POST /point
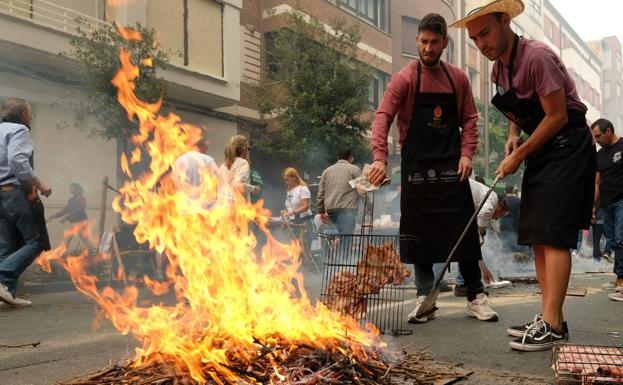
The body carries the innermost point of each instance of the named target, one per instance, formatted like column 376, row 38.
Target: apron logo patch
column 438, row 112
column 437, row 121
column 449, row 176
column 415, row 178
column 432, row 173
column 617, row 157
column 560, row 141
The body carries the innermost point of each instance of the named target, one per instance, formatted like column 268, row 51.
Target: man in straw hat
column 434, row 102
column 537, row 95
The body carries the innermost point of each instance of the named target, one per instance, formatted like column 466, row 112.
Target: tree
column 498, row 134
column 318, row 90
column 98, row 51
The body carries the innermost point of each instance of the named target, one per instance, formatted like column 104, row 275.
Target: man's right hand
column 377, row 172
column 44, row 189
column 324, row 217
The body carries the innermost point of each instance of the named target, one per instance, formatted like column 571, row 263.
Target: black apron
column 559, row 179
column 435, row 206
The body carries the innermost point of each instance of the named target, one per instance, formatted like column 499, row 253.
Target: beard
column 494, row 52
column 430, row 61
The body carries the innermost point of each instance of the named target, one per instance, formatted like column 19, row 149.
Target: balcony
column 48, row 14
column 33, row 33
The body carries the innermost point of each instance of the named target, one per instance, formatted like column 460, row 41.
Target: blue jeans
column 613, row 228
column 425, row 275
column 344, row 220
column 597, row 231
column 16, row 219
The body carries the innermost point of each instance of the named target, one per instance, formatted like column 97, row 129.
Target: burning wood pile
column 380, row 266
column 300, row 365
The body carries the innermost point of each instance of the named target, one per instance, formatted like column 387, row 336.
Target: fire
column 231, row 302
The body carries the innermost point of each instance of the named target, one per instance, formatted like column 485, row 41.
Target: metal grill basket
column 587, row 364
column 364, row 278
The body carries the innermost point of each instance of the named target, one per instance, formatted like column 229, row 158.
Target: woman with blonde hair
column 297, row 206
column 297, row 198
column 236, row 170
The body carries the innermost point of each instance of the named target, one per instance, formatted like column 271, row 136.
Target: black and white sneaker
column 519, row 331
column 539, row 336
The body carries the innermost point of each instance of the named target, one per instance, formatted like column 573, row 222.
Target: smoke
column 504, row 263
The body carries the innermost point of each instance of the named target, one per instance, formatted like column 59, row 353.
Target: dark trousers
column 597, row 231
column 16, row 224
column 425, row 277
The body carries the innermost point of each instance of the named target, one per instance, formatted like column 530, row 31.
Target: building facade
column 609, row 51
column 582, row 63
column 203, row 76
column 388, row 39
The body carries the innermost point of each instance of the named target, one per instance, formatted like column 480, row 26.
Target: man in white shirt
column 494, row 208
column 190, row 169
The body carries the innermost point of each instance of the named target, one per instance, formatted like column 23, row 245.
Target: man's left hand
column 465, row 168
column 509, row 166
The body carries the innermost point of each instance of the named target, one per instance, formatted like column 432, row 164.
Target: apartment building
column 389, row 30
column 609, row 51
column 582, row 63
column 204, row 75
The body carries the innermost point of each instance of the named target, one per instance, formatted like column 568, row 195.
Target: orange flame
column 129, row 33
column 228, row 298
column 147, row 62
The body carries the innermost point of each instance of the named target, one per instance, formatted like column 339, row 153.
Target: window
column 474, row 80
column 450, row 51
column 608, row 58
column 374, row 11
column 548, row 28
column 409, row 35
column 378, row 85
column 534, row 8
column 517, row 28
column 271, row 65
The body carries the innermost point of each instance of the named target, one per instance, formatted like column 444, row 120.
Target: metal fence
column 50, row 15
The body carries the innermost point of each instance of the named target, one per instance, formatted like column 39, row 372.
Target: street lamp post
column 486, row 125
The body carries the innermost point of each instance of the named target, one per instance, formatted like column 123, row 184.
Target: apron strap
column 511, row 65
column 419, row 76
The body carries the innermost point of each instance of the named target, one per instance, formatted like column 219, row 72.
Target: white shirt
column 189, row 168
column 479, row 191
column 294, row 200
column 238, row 175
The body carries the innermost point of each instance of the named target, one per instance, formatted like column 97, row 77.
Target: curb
column 61, row 286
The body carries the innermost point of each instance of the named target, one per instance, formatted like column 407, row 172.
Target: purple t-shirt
column 538, row 72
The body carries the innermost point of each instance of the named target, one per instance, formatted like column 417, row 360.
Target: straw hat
column 477, row 8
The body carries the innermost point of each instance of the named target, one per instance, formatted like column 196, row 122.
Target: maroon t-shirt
column 538, row 71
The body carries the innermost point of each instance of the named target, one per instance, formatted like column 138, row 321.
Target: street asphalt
column 62, row 321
